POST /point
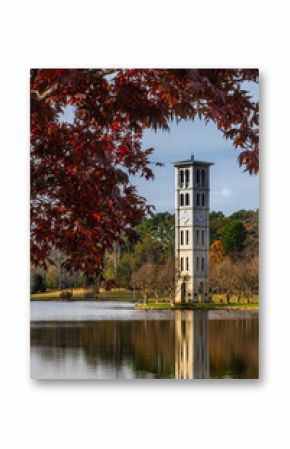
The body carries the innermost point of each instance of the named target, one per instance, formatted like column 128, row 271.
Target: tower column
column 192, row 240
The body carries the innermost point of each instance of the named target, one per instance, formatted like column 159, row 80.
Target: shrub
column 37, row 283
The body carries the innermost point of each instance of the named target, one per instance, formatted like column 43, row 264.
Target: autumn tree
column 145, row 280
column 82, row 200
column 223, row 278
column 156, row 280
column 217, row 253
column 247, row 277
column 236, row 277
column 166, row 279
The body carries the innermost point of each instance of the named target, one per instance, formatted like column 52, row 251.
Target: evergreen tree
column 234, row 236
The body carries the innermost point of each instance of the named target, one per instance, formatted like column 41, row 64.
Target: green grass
column 56, row 294
column 198, row 306
column 218, row 301
column 81, row 294
column 121, row 295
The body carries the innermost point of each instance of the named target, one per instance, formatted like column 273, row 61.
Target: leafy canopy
column 82, row 200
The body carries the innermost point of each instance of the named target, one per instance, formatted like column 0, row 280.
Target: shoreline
column 238, row 307
column 154, row 306
column 123, row 295
column 81, row 299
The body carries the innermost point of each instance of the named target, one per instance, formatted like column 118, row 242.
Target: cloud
column 224, row 192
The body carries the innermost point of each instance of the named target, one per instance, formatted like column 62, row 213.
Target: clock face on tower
column 200, row 219
column 184, row 217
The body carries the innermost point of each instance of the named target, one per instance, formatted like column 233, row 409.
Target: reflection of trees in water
column 147, row 345
column 190, row 346
column 201, row 345
column 220, row 348
column 234, row 348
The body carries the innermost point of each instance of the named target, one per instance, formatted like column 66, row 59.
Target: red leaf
column 116, row 126
column 123, row 150
column 97, row 217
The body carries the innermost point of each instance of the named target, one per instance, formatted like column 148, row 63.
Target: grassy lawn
column 218, row 302
column 56, row 294
column 190, row 306
column 82, row 294
column 120, row 295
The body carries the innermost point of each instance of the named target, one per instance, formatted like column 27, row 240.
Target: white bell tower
column 192, row 240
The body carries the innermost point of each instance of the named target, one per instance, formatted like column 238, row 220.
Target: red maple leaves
column 81, row 197
column 123, row 150
column 116, row 125
column 97, row 217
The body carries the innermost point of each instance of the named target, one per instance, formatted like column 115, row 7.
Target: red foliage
column 97, row 217
column 81, row 197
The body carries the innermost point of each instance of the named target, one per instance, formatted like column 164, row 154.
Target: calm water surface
column 109, row 340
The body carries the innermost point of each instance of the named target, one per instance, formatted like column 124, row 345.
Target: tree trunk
column 228, row 297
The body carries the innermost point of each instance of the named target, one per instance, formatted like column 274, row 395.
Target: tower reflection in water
column 191, row 345
column 180, row 344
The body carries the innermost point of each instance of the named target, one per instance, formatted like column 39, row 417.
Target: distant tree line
column 149, row 264
column 234, row 256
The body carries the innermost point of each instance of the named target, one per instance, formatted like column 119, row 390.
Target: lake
column 111, row 340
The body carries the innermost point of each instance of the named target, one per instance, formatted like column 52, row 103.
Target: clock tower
column 192, row 240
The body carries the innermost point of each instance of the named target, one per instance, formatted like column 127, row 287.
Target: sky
column 232, row 189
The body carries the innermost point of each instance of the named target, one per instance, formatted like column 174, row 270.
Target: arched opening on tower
column 183, row 291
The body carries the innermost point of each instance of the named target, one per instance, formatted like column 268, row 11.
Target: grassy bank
column 219, row 301
column 195, row 306
column 82, row 294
